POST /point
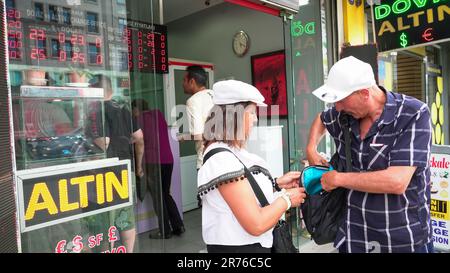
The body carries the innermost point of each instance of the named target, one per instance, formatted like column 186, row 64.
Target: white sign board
column 440, row 179
column 267, row 142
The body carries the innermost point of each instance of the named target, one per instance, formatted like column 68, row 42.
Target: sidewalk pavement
column 311, row 247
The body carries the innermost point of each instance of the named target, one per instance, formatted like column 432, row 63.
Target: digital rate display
column 44, row 41
column 142, row 47
column 147, row 47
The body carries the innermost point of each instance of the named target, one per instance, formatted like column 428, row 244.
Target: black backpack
column 324, row 213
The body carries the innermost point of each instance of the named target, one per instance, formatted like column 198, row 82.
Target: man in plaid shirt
column 388, row 200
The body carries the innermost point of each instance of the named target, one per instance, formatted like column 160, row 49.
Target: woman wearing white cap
column 232, row 219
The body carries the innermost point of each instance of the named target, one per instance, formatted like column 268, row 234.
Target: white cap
column 232, row 91
column 345, row 77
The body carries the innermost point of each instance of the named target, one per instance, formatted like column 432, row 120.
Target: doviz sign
column 405, row 23
column 51, row 197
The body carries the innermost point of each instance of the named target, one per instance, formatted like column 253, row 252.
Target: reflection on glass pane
column 67, row 16
column 56, row 53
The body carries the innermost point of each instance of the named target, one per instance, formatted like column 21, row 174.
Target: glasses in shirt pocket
column 378, row 156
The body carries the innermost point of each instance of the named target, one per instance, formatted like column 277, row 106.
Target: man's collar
column 390, row 107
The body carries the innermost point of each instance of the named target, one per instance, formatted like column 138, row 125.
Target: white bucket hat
column 232, row 91
column 345, row 77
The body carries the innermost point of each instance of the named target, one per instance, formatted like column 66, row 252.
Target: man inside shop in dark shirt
column 120, row 133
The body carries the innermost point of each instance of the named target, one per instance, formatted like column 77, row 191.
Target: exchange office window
column 53, row 13
column 92, row 21
column 39, row 11
column 56, row 48
column 67, row 16
column 77, row 194
column 10, row 4
column 95, row 57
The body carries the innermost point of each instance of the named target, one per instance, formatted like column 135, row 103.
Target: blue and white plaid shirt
column 400, row 137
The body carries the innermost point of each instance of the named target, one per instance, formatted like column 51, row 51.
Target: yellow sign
column 48, row 198
column 439, row 209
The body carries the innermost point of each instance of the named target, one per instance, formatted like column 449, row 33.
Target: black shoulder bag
column 282, row 238
column 324, row 213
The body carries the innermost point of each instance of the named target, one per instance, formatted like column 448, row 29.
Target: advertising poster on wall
column 269, row 76
column 440, row 179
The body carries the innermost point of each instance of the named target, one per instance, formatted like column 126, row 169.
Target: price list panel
column 42, row 43
column 147, row 47
column 15, row 34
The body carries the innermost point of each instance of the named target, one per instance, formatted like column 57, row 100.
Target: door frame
column 169, row 81
column 187, row 163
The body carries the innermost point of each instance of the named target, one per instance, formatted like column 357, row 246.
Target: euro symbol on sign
column 403, row 40
column 427, row 35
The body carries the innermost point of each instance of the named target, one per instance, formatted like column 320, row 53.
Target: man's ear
column 192, row 82
column 364, row 93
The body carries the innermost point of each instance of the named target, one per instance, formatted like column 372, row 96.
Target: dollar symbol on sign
column 403, row 40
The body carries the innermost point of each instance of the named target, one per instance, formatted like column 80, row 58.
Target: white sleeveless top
column 219, row 225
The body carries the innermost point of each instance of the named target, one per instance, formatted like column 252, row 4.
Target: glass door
column 71, row 69
column 175, row 107
column 306, row 59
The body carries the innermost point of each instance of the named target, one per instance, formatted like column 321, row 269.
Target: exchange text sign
column 404, row 23
column 50, row 196
column 440, row 178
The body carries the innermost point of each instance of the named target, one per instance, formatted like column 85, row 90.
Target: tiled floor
column 189, row 242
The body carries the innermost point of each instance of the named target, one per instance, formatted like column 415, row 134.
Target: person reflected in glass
column 158, row 160
column 117, row 136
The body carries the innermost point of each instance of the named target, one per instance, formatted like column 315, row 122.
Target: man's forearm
column 393, row 180
column 139, row 150
column 316, row 134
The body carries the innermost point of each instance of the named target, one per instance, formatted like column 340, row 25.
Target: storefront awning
column 273, row 7
column 291, row 6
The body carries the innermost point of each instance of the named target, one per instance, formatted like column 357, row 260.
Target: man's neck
column 199, row 90
column 377, row 105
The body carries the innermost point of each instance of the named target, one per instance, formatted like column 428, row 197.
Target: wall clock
column 241, row 43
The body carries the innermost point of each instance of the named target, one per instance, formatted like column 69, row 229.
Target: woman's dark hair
column 140, row 104
column 197, row 73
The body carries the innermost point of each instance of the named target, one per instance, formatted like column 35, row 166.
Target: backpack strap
column 256, row 188
column 345, row 128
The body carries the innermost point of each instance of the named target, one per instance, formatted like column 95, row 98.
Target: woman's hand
column 297, row 196
column 289, row 180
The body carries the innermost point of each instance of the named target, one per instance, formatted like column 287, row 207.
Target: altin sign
column 50, row 196
column 405, row 23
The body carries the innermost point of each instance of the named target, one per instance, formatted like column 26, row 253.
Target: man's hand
column 289, row 180
column 329, row 180
column 314, row 158
column 139, row 171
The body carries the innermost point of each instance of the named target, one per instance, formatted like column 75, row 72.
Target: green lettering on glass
column 421, row 3
column 403, row 40
column 382, row 11
column 310, row 28
column 399, row 7
column 406, row 6
column 297, row 28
